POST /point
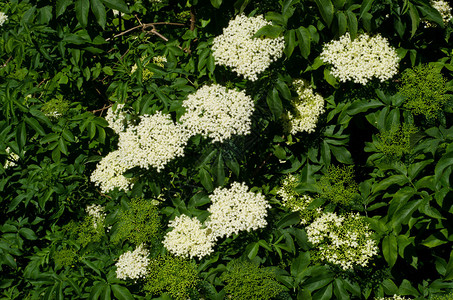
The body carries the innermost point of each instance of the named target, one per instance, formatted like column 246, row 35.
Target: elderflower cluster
column 306, row 109
column 236, row 209
column 116, row 118
column 218, row 113
column 362, row 59
column 108, row 174
column 154, row 142
column 296, row 202
column 444, row 9
column 188, row 238
column 159, row 60
column 133, row 264
column 246, row 55
column 12, row 159
column 342, row 240
column 3, row 18
column 97, row 212
column 394, row 297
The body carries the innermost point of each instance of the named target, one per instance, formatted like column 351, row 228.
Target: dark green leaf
column 98, row 10
column 365, row 7
column 206, row 180
column 352, row 24
column 300, row 263
column 290, row 42
column 431, row 14
column 61, row 6
column 326, row 9
column 28, row 234
column 271, row 31
column 35, row 125
column 389, row 249
column 415, row 19
column 121, row 292
column 82, row 8
column 216, row 3
column 117, row 4
column 304, row 40
column 274, row 103
column 342, row 23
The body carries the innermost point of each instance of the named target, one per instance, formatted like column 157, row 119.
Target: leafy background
column 75, row 58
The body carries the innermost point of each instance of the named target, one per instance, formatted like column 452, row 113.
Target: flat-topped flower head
column 246, row 55
column 218, row 113
column 188, row 238
column 307, row 108
column 133, row 264
column 362, row 59
column 342, row 240
column 108, row 174
column 154, row 142
column 236, row 209
column 3, row 18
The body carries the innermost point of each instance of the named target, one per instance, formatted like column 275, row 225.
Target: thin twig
column 102, row 109
column 192, row 19
column 7, row 61
column 144, row 27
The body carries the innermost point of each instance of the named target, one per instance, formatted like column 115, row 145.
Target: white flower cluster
column 306, row 109
column 218, row 113
column 109, row 173
column 232, row 210
column 12, row 159
column 188, row 238
column 236, row 209
column 116, row 118
column 361, row 59
column 159, row 60
column 247, row 56
column 394, row 297
column 97, row 212
column 342, row 240
column 3, row 18
column 444, row 9
column 154, row 142
column 133, row 264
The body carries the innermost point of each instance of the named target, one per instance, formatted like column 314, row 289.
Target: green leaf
column 432, row 242
column 342, row 23
column 121, row 292
column 326, row 9
column 28, row 234
column 341, row 154
column 274, row 103
column 220, row 171
column 324, row 293
column 389, row 249
column 403, row 213
column 365, row 7
column 352, row 24
column 449, row 268
column 206, row 180
column 431, row 14
column 98, row 10
column 387, row 182
column 21, row 136
column 82, row 8
column 339, row 289
column 119, row 5
column 216, row 3
column 304, row 40
column 445, row 162
column 300, row 263
column 271, row 31
column 35, row 125
column 290, row 42
column 63, row 147
column 61, row 5
column 415, row 19
column 390, row 288
column 362, row 106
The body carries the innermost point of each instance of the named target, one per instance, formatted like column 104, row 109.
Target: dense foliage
column 169, row 149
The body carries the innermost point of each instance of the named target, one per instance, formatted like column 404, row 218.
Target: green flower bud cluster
column 296, row 202
column 140, row 223
column 397, row 141
column 338, row 185
column 173, row 275
column 425, row 89
column 64, row 257
column 246, row 281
